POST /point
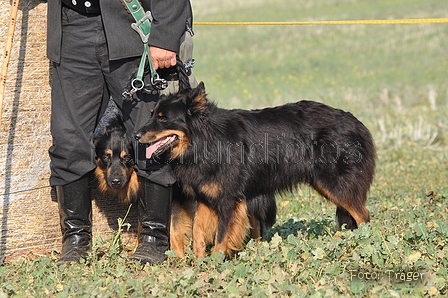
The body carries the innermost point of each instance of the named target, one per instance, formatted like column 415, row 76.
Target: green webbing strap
column 143, row 27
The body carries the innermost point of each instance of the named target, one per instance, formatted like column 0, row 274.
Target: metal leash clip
column 158, row 82
column 136, row 85
column 190, row 64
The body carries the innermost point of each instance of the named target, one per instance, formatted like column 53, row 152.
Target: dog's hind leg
column 205, row 227
column 238, row 225
column 256, row 227
column 350, row 205
column 262, row 211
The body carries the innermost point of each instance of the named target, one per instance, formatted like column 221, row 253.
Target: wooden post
column 7, row 53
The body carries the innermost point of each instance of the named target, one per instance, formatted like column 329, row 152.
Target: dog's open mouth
column 160, row 145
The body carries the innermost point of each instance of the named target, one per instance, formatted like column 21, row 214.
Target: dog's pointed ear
column 197, row 100
column 102, row 130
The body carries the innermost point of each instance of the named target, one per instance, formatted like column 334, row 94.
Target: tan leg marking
column 233, row 239
column 205, row 227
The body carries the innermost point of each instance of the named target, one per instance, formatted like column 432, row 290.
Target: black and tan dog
column 117, row 177
column 115, row 163
column 226, row 158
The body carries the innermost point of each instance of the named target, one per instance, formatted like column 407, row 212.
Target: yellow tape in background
column 342, row 22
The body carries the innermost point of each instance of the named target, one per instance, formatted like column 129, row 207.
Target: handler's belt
column 89, row 7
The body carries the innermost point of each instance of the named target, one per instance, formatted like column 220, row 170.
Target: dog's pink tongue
column 151, row 149
column 154, row 147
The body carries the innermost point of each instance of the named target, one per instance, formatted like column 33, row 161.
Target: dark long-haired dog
column 116, row 177
column 115, row 162
column 226, row 158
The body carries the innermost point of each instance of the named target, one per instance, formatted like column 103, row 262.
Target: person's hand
column 162, row 58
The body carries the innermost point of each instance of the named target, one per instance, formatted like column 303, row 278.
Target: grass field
column 392, row 77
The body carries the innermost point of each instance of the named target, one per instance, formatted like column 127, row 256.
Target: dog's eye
column 106, row 157
column 127, row 159
column 162, row 119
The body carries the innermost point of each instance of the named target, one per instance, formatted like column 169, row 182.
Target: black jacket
column 169, row 24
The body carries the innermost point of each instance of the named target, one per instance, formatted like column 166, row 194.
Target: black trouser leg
column 75, row 212
column 154, row 214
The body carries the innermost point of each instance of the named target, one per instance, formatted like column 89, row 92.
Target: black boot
column 75, row 212
column 154, row 214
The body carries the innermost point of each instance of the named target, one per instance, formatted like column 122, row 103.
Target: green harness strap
column 143, row 27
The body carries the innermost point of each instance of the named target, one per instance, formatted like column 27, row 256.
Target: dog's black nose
column 138, row 136
column 116, row 182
